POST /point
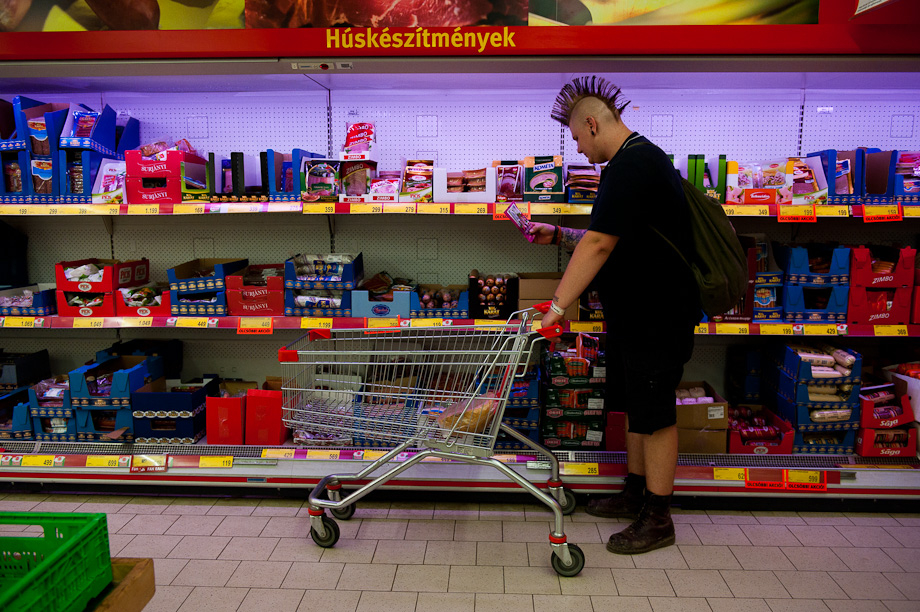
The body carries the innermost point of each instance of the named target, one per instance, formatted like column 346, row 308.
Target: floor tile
column 168, row 598
column 295, row 549
column 422, row 578
column 825, row 518
column 709, row 557
column 867, row 559
column 148, row 525
column 682, row 604
column 446, row 602
column 769, row 535
column 531, row 531
column 286, row 527
column 797, row 605
column 198, row 572
column 260, row 574
column 738, row 605
column 663, row 558
column 698, row 583
column 721, row 535
column 351, row 551
column 199, row 547
column 761, row 558
column 326, row 601
column 411, row 510
column 402, row 552
column 537, row 513
column 313, row 575
column 242, row 526
column 273, row 600
column 193, row 525
column 817, row 535
column 214, row 600
column 855, row 605
column 532, row 580
column 866, row 585
column 685, row 535
column 387, row 602
column 189, row 506
column 146, row 505
column 502, row 553
column 17, row 505
column 596, row 555
column 278, row 507
column 754, row 584
column 868, row 536
column 690, row 516
column 901, row 606
column 165, row 570
column 560, row 603
column 908, row 520
column 500, row 512
column 778, row 517
column 150, row 546
column 810, row 585
column 430, row 530
column 250, row 549
column 451, row 553
column 731, row 517
column 382, row 529
column 367, row 577
column 505, row 603
column 116, row 521
column 642, row 582
column 60, row 505
column 97, row 506
column 234, row 506
column 908, row 537
column 604, row 603
column 907, row 583
column 814, row 558
column 476, row 579
column 875, row 521
column 905, row 557
column 461, row 511
column 476, row 531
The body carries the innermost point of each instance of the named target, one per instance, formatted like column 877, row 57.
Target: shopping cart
column 441, row 390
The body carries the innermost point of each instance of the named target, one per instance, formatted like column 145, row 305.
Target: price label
column 401, row 208
column 148, row 463
column 19, row 322
column 733, row 328
column 89, row 323
column 819, row 330
column 488, row 323
column 911, row 211
column 746, row 210
column 554, row 209
column 775, row 329
column 105, row 461
column 215, row 462
column 189, row 209
column 591, row 327
column 255, row 325
column 137, row 322
column 278, row 453
column 426, row 323
column 736, row 474
column 195, row 322
column 373, row 455
column 796, row 213
column 111, row 209
column 892, row 330
column 579, row 469
column 275, row 207
column 833, row 210
column 433, row 209
column 880, row 213
column 326, row 455
column 316, row 323
column 143, row 209
column 378, row 323
column 702, row 329
column 321, row 208
column 37, row 461
column 366, row 209
column 471, row 209
column 505, row 458
column 805, row 476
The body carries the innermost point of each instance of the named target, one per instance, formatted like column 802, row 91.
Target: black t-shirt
column 648, row 293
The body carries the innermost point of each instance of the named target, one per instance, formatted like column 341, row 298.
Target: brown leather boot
column 652, row 530
column 626, row 503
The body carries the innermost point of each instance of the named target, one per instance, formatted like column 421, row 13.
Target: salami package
column 359, row 138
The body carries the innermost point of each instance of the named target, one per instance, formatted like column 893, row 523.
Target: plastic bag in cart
column 470, row 416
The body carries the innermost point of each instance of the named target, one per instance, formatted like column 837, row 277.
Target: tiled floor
column 216, row 554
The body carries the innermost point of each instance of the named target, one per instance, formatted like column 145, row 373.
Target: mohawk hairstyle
column 587, row 87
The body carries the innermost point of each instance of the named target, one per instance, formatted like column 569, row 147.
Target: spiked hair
column 587, row 87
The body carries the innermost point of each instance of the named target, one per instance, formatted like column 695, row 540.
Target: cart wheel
column 578, row 562
column 568, row 502
column 344, row 513
column 332, row 534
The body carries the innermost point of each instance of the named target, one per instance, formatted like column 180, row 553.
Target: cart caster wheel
column 344, row 513
column 332, row 534
column 568, row 502
column 578, row 562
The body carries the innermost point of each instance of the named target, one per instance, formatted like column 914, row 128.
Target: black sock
column 635, row 483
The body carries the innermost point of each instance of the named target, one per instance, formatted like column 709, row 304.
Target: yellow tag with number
column 733, row 328
column 377, row 323
column 702, row 329
column 19, row 322
column 316, row 323
column 188, row 209
column 488, row 323
column 552, row 209
column 590, row 327
column 728, row 474
column 433, row 209
column 366, row 209
column 745, row 210
column 403, row 208
column 833, row 210
column 809, row 476
column 143, row 209
column 892, row 330
column 89, row 323
column 192, row 322
column 215, row 462
column 137, row 322
column 911, row 211
column 37, row 461
column 775, row 329
column 327, row 455
column 104, row 461
column 148, row 460
column 819, row 330
column 278, row 453
column 471, row 209
column 579, row 469
column 255, row 322
column 374, row 455
column 426, row 322
column 323, row 208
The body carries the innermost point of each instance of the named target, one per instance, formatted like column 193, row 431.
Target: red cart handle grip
column 542, row 307
column 551, row 332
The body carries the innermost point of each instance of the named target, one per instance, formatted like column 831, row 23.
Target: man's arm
column 569, row 238
column 544, row 233
column 592, row 251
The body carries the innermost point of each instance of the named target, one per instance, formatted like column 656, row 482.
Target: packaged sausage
column 38, row 136
column 357, row 176
column 83, row 123
column 322, row 180
column 41, row 176
column 12, row 176
column 359, row 137
column 509, row 178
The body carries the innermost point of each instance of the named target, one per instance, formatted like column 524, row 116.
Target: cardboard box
column 362, row 306
column 442, row 195
column 538, row 285
column 573, row 434
column 292, row 310
column 264, row 426
column 183, row 305
column 799, row 414
column 336, row 276
column 736, row 192
column 861, row 273
column 796, row 391
column 169, row 164
column 106, row 309
column 43, row 302
column 824, row 443
column 44, row 427
column 702, row 441
column 226, row 416
column 841, row 169
column 163, row 415
column 64, row 410
column 183, row 279
column 795, row 261
column 236, row 281
column 790, row 362
column 798, row 304
column 267, row 303
column 164, row 309
column 115, row 274
column 128, row 374
column 116, row 425
column 23, row 369
column 737, row 446
column 703, row 416
column 876, row 443
column 868, row 419
column 15, row 421
column 169, row 350
column 462, row 311
column 493, row 310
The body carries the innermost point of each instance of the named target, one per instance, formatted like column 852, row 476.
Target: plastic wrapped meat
column 86, row 273
column 17, row 300
column 141, row 296
column 317, row 299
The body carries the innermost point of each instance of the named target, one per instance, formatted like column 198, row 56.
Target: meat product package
column 322, row 180
column 509, row 175
column 383, row 13
column 359, row 138
column 357, row 177
column 41, row 176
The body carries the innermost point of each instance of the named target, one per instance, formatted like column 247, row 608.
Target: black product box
column 493, row 309
column 23, row 369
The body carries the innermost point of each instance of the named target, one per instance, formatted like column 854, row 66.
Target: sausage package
column 543, row 179
column 509, row 176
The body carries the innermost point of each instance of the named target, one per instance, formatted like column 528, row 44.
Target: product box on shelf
column 116, row 425
column 54, row 397
column 708, row 415
column 864, row 261
column 226, row 416
column 509, row 179
column 574, row 372
column 589, row 305
column 484, row 306
column 581, row 183
column 792, row 364
column 271, row 303
column 320, row 179
column 797, row 391
column 504, row 442
column 741, row 188
column 8, row 129
column 163, row 309
column 880, row 172
column 23, row 369
column 169, row 350
column 167, row 164
column 896, row 412
column 263, row 418
column 126, row 374
column 12, row 185
column 317, row 307
column 907, row 178
column 538, row 286
column 284, row 184
column 879, row 306
column 109, row 184
column 818, row 416
column 15, row 421
column 237, row 281
column 200, row 275
column 442, row 195
column 801, row 264
column 815, row 304
column 568, row 434
column 399, row 306
column 112, row 274
column 314, row 271
column 702, row 441
column 887, row 442
column 767, row 271
column 809, row 181
column 103, row 304
column 207, row 303
column 904, row 384
column 96, row 131
column 261, row 299
column 522, row 416
column 844, row 175
column 824, row 443
column 171, row 411
column 574, row 403
column 543, row 179
column 55, row 429
column 738, row 445
column 460, row 311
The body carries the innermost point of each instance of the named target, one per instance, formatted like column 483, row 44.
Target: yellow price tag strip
column 89, row 323
column 745, row 210
column 275, row 207
column 404, row 208
column 378, row 323
column 137, row 322
column 215, row 462
column 819, row 330
column 891, row 330
column 807, row 476
column 551, row 209
column 702, row 329
column 792, row 213
column 255, row 325
column 593, row 327
column 316, row 323
column 882, row 212
column 471, row 209
column 432, row 209
column 579, row 469
column 733, row 328
column 321, row 208
column 728, row 474
column 103, row 461
column 278, row 453
column 37, row 461
column 149, row 463
column 189, row 209
column 365, row 209
column 488, row 323
column 327, row 455
column 505, row 458
column 19, row 322
column 374, row 455
column 776, row 329
column 833, row 210
column 911, row 211
column 143, row 209
column 192, row 322
column 426, row 322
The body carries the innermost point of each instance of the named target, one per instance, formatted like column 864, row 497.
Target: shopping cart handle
column 286, row 355
column 554, row 331
column 542, row 307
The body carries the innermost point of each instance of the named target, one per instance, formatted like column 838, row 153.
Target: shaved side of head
column 592, row 107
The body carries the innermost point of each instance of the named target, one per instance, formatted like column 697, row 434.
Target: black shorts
column 643, row 387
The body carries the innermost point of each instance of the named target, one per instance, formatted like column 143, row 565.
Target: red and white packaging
column 168, row 193
column 116, row 274
column 105, row 309
column 170, row 166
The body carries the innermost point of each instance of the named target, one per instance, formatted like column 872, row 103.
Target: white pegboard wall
column 847, row 120
column 67, row 348
column 55, row 239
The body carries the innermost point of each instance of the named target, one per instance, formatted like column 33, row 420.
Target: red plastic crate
column 123, row 310
column 116, row 274
column 868, row 419
column 864, row 308
column 138, row 167
column 168, row 193
column 865, row 444
column 861, row 274
column 263, row 418
column 107, row 309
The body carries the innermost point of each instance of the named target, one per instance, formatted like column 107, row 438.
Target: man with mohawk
column 649, row 295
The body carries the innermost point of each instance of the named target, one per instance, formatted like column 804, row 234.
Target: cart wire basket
column 442, row 390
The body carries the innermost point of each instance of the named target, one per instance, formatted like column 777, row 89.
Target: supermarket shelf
column 203, row 465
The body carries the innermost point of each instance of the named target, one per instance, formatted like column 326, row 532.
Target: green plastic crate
column 59, row 572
